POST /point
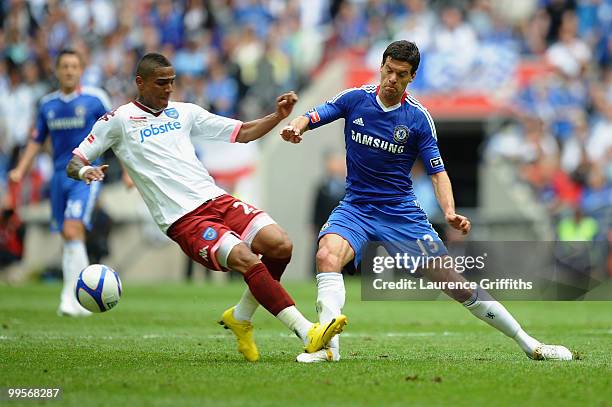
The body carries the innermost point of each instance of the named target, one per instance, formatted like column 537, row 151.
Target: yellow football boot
column 320, row 335
column 244, row 334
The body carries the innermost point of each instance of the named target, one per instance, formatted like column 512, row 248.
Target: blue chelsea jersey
column 381, row 143
column 68, row 120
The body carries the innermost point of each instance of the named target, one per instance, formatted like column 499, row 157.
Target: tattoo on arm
column 73, row 167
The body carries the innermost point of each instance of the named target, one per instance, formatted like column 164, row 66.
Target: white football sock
column 246, row 307
column 496, row 315
column 330, row 301
column 295, row 321
column 74, row 259
column 526, row 342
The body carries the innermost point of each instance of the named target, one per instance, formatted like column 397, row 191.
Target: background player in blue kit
column 67, row 115
column 385, row 131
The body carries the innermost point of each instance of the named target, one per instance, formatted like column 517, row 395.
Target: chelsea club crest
column 400, row 134
column 80, row 111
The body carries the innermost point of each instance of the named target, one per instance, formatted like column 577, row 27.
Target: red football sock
column 276, row 267
column 267, row 291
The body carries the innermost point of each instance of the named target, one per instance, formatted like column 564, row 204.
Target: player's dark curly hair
column 149, row 62
column 405, row 51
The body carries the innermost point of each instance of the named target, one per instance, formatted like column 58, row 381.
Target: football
column 98, row 288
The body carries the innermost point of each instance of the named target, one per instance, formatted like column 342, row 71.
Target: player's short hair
column 405, row 51
column 149, row 62
column 67, row 51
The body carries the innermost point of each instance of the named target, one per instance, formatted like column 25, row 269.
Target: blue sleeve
column 334, row 109
column 99, row 102
column 41, row 131
column 105, row 102
column 101, row 110
column 428, row 144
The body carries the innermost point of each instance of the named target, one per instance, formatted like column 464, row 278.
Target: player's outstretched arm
column 76, row 169
column 444, row 194
column 293, row 132
column 258, row 128
column 24, row 164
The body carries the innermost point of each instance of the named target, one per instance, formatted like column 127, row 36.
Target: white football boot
column 323, row 355
column 551, row 352
column 70, row 307
column 72, row 311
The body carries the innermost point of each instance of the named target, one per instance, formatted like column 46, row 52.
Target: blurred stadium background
column 521, row 93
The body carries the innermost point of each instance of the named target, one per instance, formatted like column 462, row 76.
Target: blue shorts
column 71, row 199
column 400, row 227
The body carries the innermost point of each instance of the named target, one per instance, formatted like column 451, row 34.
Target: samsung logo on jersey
column 153, row 130
column 375, row 142
column 66, row 123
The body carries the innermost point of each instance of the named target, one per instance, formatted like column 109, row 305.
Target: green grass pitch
column 162, row 346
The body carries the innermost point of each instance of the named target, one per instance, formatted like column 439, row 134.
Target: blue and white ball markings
column 98, row 288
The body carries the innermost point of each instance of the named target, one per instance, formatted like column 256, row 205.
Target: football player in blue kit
column 67, row 115
column 385, row 131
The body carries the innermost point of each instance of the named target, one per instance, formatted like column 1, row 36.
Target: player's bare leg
column 274, row 245
column 333, row 253
column 74, row 259
column 485, row 308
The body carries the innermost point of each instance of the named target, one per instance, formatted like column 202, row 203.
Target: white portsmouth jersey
column 156, row 150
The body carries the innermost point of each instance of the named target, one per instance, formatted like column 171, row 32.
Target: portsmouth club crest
column 209, row 234
column 400, row 134
column 172, row 113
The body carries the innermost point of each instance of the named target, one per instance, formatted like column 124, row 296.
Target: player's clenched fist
column 15, row 175
column 291, row 134
column 294, row 130
column 285, row 103
column 459, row 222
column 89, row 174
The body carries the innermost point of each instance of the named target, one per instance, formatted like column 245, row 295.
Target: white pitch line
column 411, row 334
column 354, row 335
column 599, row 331
column 259, row 335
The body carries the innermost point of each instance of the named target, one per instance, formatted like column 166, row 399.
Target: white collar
column 385, row 108
column 67, row 97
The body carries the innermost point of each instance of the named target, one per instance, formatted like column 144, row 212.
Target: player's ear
column 382, row 65
column 412, row 76
column 139, row 81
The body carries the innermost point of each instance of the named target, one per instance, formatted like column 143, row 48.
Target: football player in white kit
column 151, row 136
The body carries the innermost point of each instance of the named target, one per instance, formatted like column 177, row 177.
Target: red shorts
column 208, row 233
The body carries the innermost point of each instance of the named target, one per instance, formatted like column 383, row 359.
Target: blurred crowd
column 234, row 56
column 560, row 134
